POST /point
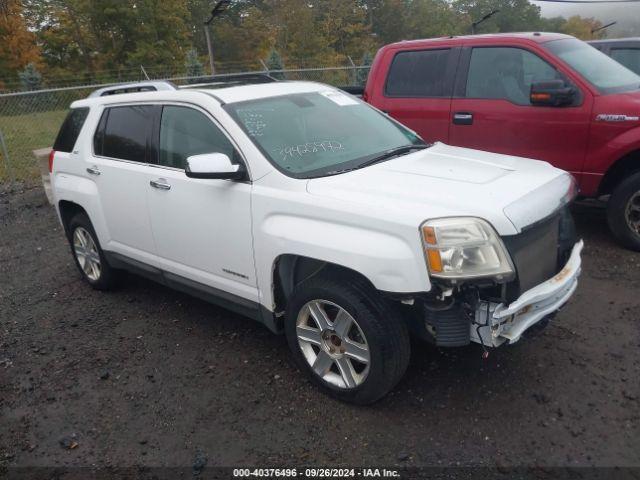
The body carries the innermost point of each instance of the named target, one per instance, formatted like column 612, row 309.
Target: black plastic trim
column 242, row 306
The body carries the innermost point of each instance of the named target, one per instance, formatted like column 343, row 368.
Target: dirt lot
column 148, row 376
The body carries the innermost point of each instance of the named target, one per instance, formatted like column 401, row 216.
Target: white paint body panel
column 367, row 220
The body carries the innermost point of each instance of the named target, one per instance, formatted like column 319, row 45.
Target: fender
column 84, row 192
column 388, row 261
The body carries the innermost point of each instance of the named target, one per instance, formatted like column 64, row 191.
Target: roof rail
column 237, row 78
column 151, row 86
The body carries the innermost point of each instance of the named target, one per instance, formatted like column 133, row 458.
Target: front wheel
column 623, row 212
column 346, row 338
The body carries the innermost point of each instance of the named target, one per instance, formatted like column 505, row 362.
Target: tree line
column 48, row 41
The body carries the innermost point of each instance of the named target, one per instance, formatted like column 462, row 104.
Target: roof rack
column 151, row 86
column 154, row 86
column 235, row 78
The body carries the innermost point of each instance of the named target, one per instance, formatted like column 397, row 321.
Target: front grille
column 539, row 251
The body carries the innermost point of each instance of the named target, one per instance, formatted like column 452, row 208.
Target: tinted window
column 126, row 130
column 605, row 73
column 629, row 57
column 506, row 73
column 419, row 74
column 185, row 132
column 70, row 130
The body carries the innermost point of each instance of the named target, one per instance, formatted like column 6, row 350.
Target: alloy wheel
column 632, row 213
column 86, row 253
column 333, row 344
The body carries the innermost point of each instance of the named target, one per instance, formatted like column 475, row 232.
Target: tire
column 101, row 276
column 623, row 212
column 376, row 333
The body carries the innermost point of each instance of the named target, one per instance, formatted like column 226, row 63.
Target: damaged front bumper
column 497, row 323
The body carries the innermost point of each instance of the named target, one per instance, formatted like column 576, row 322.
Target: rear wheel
column 347, row 339
column 623, row 212
column 88, row 254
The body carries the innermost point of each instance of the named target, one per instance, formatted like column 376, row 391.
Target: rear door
column 417, row 90
column 491, row 110
column 119, row 168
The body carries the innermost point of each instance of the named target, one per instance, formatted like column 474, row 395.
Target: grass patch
column 23, row 134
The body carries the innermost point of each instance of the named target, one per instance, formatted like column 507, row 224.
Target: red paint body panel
column 568, row 137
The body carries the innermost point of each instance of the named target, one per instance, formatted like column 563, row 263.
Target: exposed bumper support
column 506, row 323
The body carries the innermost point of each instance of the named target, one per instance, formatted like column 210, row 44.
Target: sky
column 626, row 14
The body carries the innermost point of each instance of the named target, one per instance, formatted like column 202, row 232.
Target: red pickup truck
column 538, row 95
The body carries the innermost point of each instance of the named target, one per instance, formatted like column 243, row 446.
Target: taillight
column 53, row 152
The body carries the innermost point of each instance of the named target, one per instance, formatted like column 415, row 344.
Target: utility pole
column 486, row 17
column 219, row 7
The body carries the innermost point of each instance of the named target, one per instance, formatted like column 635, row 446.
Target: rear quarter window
column 420, row 73
column 70, row 130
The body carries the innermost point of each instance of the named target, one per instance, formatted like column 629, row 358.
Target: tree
column 30, row 77
column 17, row 44
column 194, row 67
column 513, row 15
column 582, row 27
column 274, row 62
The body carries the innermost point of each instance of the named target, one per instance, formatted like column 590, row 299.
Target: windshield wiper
column 394, row 152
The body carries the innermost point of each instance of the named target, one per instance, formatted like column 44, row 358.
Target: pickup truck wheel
column 623, row 212
column 88, row 255
column 349, row 341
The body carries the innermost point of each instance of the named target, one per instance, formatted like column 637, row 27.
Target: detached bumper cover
column 501, row 323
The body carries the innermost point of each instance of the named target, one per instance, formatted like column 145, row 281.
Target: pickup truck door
column 201, row 227
column 417, row 89
column 491, row 110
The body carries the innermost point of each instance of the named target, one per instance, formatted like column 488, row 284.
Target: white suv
column 310, row 211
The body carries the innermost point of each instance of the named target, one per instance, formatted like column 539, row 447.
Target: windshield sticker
column 295, row 151
column 254, row 123
column 339, row 98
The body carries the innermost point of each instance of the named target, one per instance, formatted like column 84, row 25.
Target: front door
column 202, row 227
column 493, row 112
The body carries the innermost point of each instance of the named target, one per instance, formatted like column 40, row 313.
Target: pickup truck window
column 604, row 73
column 419, row 74
column 319, row 133
column 629, row 57
column 185, row 132
column 506, row 73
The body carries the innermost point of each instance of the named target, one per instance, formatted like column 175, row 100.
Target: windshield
column 604, row 73
column 319, row 133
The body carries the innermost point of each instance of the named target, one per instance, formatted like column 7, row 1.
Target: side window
column 185, row 132
column 629, row 57
column 70, row 130
column 419, row 74
column 506, row 73
column 124, row 132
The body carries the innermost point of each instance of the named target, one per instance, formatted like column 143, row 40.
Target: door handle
column 160, row 184
column 463, row 118
column 93, row 170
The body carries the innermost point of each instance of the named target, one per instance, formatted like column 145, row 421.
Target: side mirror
column 552, row 93
column 213, row 165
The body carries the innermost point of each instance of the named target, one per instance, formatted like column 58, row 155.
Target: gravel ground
column 148, row 376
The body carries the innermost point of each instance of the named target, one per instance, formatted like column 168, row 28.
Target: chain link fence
column 30, row 120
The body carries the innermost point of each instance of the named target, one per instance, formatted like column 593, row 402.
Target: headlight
column 464, row 248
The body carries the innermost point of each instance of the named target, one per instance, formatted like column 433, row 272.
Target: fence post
column 5, row 154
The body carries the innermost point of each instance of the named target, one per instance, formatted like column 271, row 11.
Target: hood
column 440, row 181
